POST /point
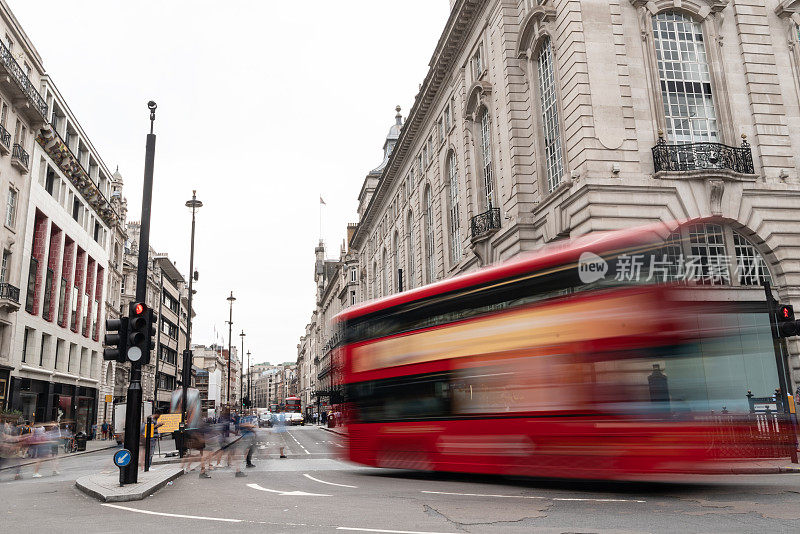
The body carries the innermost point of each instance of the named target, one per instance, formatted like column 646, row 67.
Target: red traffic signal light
column 787, row 326
column 138, row 308
column 785, row 312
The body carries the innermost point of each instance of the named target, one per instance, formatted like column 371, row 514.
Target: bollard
column 148, row 430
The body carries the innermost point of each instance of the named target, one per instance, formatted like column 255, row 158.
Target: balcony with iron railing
column 20, row 158
column 485, row 223
column 702, row 156
column 9, row 296
column 34, row 106
column 5, row 141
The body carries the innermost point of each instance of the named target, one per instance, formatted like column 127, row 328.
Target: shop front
column 41, row 401
column 5, row 382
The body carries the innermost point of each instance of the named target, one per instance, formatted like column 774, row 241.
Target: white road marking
column 531, row 497
column 225, row 520
column 337, row 444
column 329, row 483
column 164, row 514
column 289, row 493
column 391, row 531
column 295, row 440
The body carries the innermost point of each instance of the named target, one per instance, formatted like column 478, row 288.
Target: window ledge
column 565, row 185
column 706, row 174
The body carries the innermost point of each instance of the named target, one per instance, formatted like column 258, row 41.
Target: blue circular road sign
column 122, row 457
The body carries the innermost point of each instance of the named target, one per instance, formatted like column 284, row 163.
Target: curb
column 332, row 431
column 70, row 455
column 86, row 487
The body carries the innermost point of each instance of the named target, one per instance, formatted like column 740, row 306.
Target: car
column 295, row 418
column 265, row 419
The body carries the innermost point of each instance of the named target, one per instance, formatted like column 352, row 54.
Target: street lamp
column 241, row 373
column 230, row 299
column 194, row 205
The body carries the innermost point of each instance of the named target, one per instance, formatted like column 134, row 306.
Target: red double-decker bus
column 560, row 364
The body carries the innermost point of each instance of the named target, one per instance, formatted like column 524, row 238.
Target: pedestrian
column 248, row 429
column 46, row 444
column 10, row 448
column 280, row 428
column 104, row 429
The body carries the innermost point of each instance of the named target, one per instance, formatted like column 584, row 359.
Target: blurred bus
column 294, row 413
column 560, row 364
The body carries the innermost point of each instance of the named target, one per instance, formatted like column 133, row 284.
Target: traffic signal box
column 116, row 338
column 787, row 325
column 140, row 333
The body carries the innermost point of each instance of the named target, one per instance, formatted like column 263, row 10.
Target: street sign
column 169, row 422
column 122, row 458
column 109, row 398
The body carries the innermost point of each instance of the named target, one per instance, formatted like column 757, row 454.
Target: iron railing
column 20, row 153
column 485, row 222
column 22, row 80
column 5, row 137
column 9, row 292
column 703, row 156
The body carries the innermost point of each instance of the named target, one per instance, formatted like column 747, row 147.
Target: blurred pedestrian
column 45, row 442
column 104, row 430
column 280, row 428
column 10, row 448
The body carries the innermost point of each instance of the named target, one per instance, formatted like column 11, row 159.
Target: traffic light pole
column 782, row 365
column 133, row 409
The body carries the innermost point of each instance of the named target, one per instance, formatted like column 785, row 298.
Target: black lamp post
column 230, row 299
column 249, row 372
column 241, row 373
column 194, row 205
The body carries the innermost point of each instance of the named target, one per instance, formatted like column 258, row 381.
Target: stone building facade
column 549, row 119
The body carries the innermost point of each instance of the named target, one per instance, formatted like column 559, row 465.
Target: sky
column 263, row 107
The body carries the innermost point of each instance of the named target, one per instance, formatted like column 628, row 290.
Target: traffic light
column 139, row 329
column 787, row 325
column 116, row 338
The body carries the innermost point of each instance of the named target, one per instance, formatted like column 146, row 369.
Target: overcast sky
column 263, row 106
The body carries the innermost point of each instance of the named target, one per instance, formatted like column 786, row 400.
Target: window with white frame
column 11, row 208
column 396, row 259
column 685, row 78
column 386, row 273
column 551, row 129
column 430, row 243
column 712, row 254
column 455, row 218
column 477, row 63
column 750, row 265
column 486, row 158
column 410, row 250
column 353, row 274
column 6, row 264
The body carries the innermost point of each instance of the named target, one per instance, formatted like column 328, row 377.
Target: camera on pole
column 139, row 337
column 116, row 338
column 787, row 325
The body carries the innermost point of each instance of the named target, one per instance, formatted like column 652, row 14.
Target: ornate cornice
column 533, row 21
column 463, row 18
column 701, row 8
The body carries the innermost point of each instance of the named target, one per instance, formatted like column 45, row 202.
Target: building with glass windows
column 545, row 120
column 68, row 220
column 22, row 111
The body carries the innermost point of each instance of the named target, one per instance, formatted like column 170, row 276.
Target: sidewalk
column 91, row 446
column 754, row 467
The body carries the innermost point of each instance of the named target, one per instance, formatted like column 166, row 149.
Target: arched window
column 430, row 248
column 411, row 273
column 373, row 287
column 486, row 158
column 396, row 259
column 455, row 216
column 386, row 273
column 551, row 129
column 685, row 78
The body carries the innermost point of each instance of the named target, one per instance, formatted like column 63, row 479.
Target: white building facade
column 549, row 119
